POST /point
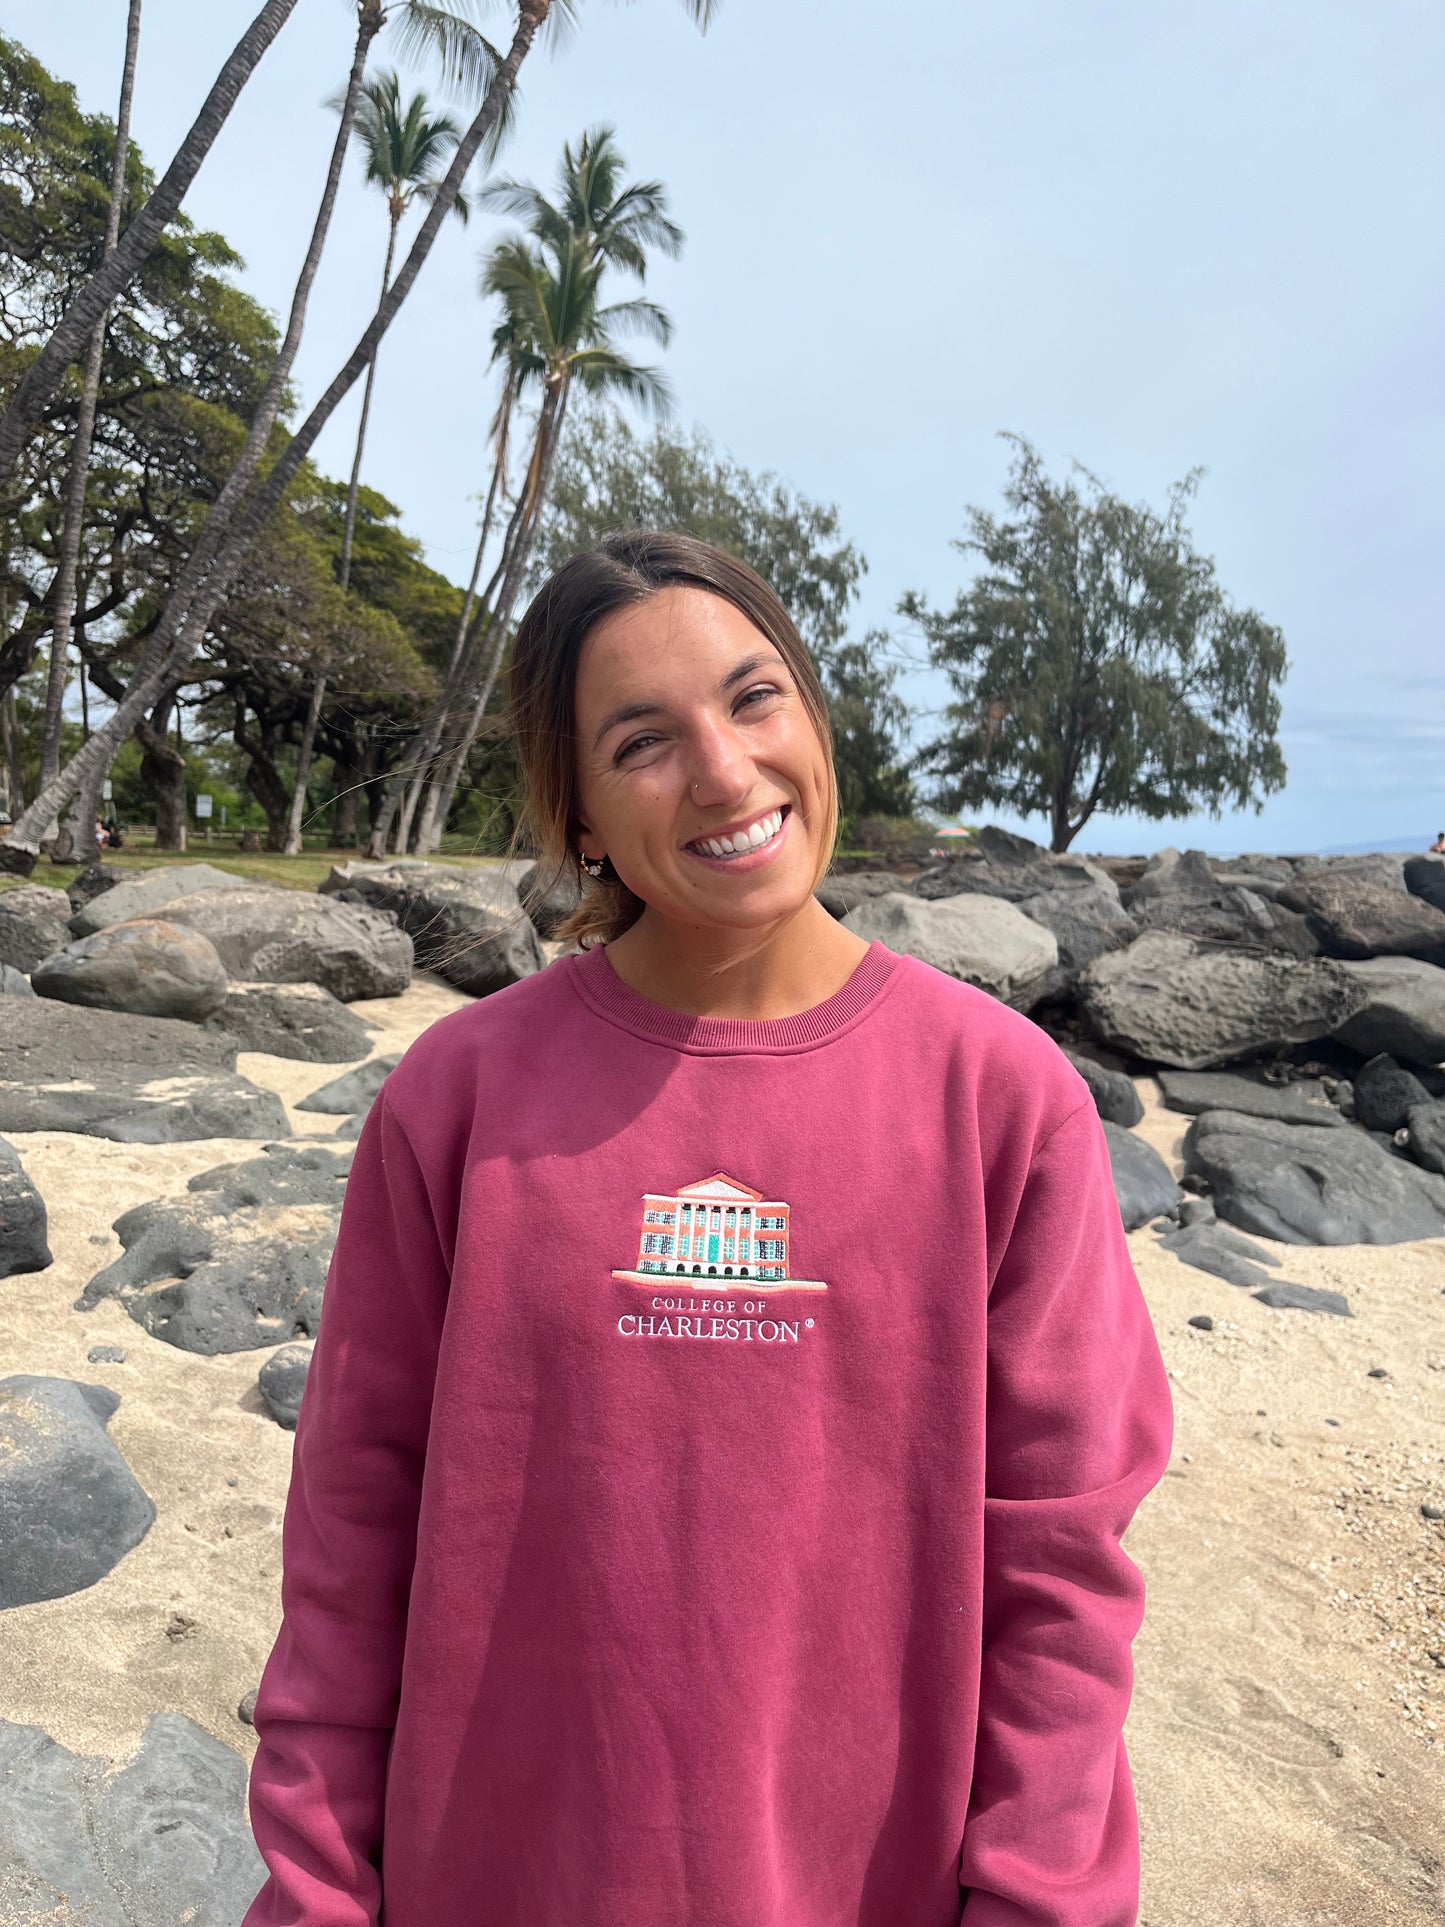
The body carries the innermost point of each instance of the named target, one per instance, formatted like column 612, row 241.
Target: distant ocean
column 1407, row 843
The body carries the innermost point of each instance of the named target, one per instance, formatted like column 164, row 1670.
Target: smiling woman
column 675, row 740
column 732, row 1386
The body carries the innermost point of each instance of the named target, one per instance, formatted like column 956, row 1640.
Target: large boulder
column 548, row 908
column 1008, row 866
column 351, row 1094
column 70, row 1506
column 1425, row 877
column 34, row 922
column 1114, row 1095
column 468, row 925
column 1174, row 1000
column 240, row 1261
column 842, row 891
column 300, row 1021
column 1305, row 1186
column 268, row 935
column 95, row 879
column 149, row 968
column 14, row 983
column 135, row 1080
column 981, row 940
column 1085, row 923
column 146, row 895
column 1143, row 1182
column 1384, row 1093
column 1227, row 912
column 160, row 1841
column 1426, row 1125
column 24, row 1227
column 1188, row 896
column 1302, row 1101
column 1360, row 914
column 1402, row 1012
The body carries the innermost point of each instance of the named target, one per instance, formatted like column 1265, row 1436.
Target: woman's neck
column 757, row 974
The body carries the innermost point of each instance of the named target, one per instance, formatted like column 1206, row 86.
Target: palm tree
column 73, row 522
column 556, row 332
column 406, row 148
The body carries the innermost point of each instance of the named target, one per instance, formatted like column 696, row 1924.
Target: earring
column 593, row 866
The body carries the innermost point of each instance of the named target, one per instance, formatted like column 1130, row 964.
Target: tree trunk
column 84, row 810
column 263, row 780
column 348, row 533
column 10, row 730
column 73, row 522
column 303, row 768
column 95, row 296
column 177, row 637
column 172, row 634
column 444, row 785
column 430, row 733
column 346, row 784
column 163, row 766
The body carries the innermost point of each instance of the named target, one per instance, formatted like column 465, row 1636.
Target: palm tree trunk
column 348, row 533
column 95, row 296
column 175, row 634
column 430, row 734
column 72, row 527
column 439, row 801
column 303, row 767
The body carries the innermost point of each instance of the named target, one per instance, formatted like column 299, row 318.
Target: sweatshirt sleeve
column 1079, row 1428
column 328, row 1697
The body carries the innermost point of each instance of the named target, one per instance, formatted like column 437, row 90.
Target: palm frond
column 604, row 370
column 637, row 318
column 426, row 30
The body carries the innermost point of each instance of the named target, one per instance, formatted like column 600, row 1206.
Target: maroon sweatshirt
column 708, row 1492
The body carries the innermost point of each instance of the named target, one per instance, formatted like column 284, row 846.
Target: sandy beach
column 1288, row 1728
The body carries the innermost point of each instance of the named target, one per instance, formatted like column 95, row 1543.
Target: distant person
column 733, row 1384
column 1437, row 848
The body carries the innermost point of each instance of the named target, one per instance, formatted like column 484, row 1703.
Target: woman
column 732, row 1387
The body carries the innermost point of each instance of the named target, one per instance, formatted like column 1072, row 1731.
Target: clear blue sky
column 1145, row 237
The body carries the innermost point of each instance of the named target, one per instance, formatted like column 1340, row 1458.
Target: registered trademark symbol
column 809, row 1323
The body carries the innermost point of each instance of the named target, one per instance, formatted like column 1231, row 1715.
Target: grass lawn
column 303, row 872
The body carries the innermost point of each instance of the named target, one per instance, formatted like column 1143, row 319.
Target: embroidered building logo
column 716, row 1229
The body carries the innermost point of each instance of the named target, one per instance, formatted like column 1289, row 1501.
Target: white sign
column 203, row 806
column 105, row 789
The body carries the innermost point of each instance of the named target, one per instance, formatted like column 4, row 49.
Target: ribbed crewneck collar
column 600, row 986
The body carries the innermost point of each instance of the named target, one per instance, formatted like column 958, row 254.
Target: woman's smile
column 749, row 844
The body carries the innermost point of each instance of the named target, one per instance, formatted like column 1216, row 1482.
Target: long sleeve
column 328, row 1696
column 1079, row 1428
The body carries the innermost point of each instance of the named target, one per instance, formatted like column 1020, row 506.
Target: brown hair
column 622, row 569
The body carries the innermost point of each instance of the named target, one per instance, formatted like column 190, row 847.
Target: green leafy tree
column 608, row 478
column 1097, row 665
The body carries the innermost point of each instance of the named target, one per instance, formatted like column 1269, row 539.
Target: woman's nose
column 720, row 769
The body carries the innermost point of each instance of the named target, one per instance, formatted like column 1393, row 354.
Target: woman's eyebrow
column 745, row 669
column 628, row 713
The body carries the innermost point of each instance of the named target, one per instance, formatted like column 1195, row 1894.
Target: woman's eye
column 631, row 747
column 759, row 691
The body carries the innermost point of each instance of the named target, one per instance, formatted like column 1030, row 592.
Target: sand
column 1287, row 1734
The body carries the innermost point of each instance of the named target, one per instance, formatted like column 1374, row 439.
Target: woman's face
column 699, row 771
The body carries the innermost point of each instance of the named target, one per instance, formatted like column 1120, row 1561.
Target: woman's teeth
column 741, row 841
